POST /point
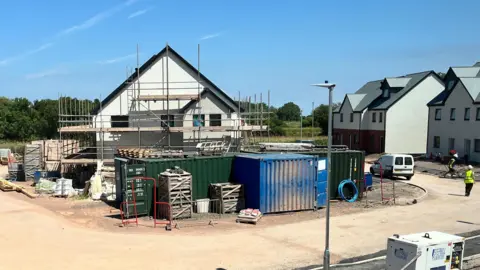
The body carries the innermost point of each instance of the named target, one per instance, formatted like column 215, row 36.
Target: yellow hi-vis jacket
column 469, row 177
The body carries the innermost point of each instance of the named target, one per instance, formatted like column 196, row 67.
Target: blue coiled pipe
column 355, row 189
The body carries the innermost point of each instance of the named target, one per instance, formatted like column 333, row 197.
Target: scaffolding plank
column 77, row 129
column 167, row 97
column 84, row 161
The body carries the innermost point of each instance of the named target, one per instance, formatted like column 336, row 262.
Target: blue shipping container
column 277, row 183
column 322, row 182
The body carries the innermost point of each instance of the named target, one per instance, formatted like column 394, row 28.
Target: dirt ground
column 104, row 216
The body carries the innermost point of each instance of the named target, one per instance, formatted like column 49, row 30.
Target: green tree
column 321, row 116
column 289, row 112
column 47, row 111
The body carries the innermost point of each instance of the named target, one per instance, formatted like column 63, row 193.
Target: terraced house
column 454, row 114
column 388, row 115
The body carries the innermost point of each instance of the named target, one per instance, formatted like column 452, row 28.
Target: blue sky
column 82, row 47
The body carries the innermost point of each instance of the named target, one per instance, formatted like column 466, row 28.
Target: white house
column 454, row 115
column 388, row 115
column 165, row 89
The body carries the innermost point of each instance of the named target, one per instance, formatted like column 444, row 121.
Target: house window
column 385, row 93
column 451, row 143
column 450, row 85
column 199, row 120
column 167, row 119
column 467, row 114
column 438, row 114
column 374, row 117
column 215, row 120
column 119, row 121
column 477, row 145
column 341, row 117
column 478, row 114
column 380, row 117
column 436, row 141
column 351, row 117
column 452, row 114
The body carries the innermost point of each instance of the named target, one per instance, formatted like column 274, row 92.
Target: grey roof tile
column 473, row 87
column 397, row 82
column 466, row 72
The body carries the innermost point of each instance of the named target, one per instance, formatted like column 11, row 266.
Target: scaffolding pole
column 199, row 99
column 268, row 109
column 168, row 99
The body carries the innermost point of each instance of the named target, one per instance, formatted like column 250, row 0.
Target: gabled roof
column 150, row 62
column 397, row 82
column 477, row 64
column 466, row 72
column 383, row 103
column 363, row 97
column 473, row 87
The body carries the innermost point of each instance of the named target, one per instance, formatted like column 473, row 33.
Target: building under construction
column 165, row 105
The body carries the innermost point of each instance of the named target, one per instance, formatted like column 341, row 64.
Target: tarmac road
column 472, row 247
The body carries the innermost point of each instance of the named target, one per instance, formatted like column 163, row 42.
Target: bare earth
column 52, row 234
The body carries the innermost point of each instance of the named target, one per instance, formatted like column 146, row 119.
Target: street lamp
column 326, row 255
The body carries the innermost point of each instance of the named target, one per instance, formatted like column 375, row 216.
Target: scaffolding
column 152, row 121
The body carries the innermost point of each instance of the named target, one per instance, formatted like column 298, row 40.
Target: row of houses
column 416, row 113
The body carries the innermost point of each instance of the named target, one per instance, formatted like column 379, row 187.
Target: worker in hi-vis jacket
column 469, row 180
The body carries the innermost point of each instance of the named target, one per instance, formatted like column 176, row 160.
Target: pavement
column 33, row 236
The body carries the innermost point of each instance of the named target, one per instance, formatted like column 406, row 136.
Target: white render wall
column 367, row 123
column 407, row 120
column 346, row 124
column 459, row 129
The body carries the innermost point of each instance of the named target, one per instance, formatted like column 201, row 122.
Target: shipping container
column 276, row 183
column 204, row 170
column 321, row 191
column 345, row 165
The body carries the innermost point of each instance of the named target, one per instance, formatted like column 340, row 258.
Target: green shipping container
column 345, row 164
column 204, row 170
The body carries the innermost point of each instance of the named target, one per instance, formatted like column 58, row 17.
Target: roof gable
column 397, row 82
column 466, row 72
column 472, row 85
column 226, row 99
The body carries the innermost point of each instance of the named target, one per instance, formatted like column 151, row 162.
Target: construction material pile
column 9, row 186
column 148, row 153
column 228, row 196
column 249, row 216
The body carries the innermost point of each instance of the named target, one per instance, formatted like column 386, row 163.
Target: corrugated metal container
column 204, row 170
column 32, row 160
column 277, row 183
column 344, row 164
column 321, row 192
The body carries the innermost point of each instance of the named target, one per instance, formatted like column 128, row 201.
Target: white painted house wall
column 346, row 110
column 151, row 83
column 459, row 129
column 367, row 123
column 407, row 119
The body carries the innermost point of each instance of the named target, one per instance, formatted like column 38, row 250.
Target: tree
column 289, row 112
column 321, row 116
column 47, row 118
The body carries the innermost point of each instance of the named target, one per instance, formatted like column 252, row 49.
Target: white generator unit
column 425, row 251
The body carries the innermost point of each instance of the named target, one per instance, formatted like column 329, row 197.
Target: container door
column 140, row 190
column 321, row 191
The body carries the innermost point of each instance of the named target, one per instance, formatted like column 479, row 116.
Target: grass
column 14, row 146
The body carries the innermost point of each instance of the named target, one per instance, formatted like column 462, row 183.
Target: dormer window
column 386, row 93
column 450, row 85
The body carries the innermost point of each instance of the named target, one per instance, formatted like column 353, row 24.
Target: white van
column 394, row 165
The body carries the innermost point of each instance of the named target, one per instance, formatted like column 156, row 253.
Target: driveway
column 35, row 238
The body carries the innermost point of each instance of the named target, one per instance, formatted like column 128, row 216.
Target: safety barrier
column 384, row 185
column 127, row 221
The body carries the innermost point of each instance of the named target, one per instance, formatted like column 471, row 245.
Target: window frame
column 477, row 116
column 438, row 114
column 451, row 144
column 467, row 112
column 435, row 145
column 341, row 117
column 452, row 114
column 374, row 117
column 380, row 117
column 450, row 85
column 351, row 117
column 119, row 121
column 398, row 158
column 215, row 122
column 475, row 148
column 202, row 120
column 405, row 161
column 169, row 118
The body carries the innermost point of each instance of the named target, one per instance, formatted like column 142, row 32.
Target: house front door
column 350, row 141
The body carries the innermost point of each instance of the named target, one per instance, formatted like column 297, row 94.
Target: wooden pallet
column 230, row 197
column 248, row 219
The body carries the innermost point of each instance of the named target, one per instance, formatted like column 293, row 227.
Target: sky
column 82, row 48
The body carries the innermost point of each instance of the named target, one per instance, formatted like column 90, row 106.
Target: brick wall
column 366, row 140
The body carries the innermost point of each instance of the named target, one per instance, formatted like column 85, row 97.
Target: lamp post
column 326, row 255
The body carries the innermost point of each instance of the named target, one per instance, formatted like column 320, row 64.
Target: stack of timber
column 148, row 153
column 32, row 160
column 175, row 188
column 229, row 197
column 9, row 186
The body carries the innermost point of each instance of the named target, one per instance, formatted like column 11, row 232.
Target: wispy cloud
column 138, row 13
column 211, row 36
column 92, row 21
column 117, row 59
column 26, row 54
column 46, row 73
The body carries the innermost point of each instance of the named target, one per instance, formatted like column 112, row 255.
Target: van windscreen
column 399, row 161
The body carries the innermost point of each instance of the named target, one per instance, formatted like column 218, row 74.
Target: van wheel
column 408, row 177
column 371, row 171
